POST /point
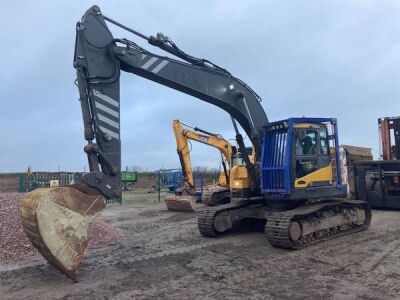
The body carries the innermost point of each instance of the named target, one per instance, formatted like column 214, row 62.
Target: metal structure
column 348, row 156
column 297, row 201
column 128, row 179
column 34, row 180
column 31, row 181
column 389, row 132
column 378, row 182
column 173, row 180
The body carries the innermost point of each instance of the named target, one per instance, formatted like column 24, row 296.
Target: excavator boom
column 98, row 60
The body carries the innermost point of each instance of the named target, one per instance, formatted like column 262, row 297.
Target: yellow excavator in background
column 234, row 176
column 185, row 198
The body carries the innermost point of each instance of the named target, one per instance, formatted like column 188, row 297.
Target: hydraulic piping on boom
column 299, row 197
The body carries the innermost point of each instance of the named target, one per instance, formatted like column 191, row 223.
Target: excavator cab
column 298, row 160
column 302, row 193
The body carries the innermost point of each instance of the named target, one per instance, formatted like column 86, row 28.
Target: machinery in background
column 378, row 182
column 172, row 180
column 292, row 187
column 186, row 197
column 128, row 180
column 389, row 133
column 348, row 156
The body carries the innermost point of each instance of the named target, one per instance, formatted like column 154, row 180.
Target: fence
column 30, row 182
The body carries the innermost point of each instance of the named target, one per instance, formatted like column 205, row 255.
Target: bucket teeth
column 181, row 203
column 56, row 222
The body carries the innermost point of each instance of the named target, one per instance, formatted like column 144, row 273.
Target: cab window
column 324, row 142
column 306, row 142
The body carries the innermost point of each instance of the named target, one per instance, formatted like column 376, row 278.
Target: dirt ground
column 161, row 255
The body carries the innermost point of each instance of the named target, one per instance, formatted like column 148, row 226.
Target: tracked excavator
column 295, row 186
column 185, row 199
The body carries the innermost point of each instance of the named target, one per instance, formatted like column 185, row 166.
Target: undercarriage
column 216, row 196
column 293, row 228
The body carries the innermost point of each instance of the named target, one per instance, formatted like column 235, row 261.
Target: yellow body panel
column 240, row 178
column 324, row 174
column 306, row 125
column 222, row 179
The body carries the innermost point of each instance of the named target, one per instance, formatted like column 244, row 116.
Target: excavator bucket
column 181, row 203
column 56, row 221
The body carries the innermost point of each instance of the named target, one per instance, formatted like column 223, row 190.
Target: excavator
column 185, row 199
column 293, row 187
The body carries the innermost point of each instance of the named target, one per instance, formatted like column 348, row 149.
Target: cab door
column 311, row 163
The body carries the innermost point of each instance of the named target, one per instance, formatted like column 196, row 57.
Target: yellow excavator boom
column 184, row 200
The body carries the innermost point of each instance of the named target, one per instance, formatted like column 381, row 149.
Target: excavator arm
column 182, row 147
column 99, row 58
column 182, row 136
column 215, row 141
column 212, row 140
column 56, row 220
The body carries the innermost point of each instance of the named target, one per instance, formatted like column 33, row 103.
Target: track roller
column 307, row 225
column 216, row 220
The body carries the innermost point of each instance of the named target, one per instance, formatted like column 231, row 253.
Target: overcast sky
column 304, row 58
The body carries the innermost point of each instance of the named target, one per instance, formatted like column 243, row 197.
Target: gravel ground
column 14, row 244
column 161, row 255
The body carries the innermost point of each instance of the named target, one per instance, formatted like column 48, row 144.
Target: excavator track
column 207, row 218
column 321, row 221
column 216, row 197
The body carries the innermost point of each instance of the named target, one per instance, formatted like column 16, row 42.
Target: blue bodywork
column 173, row 180
column 276, row 157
